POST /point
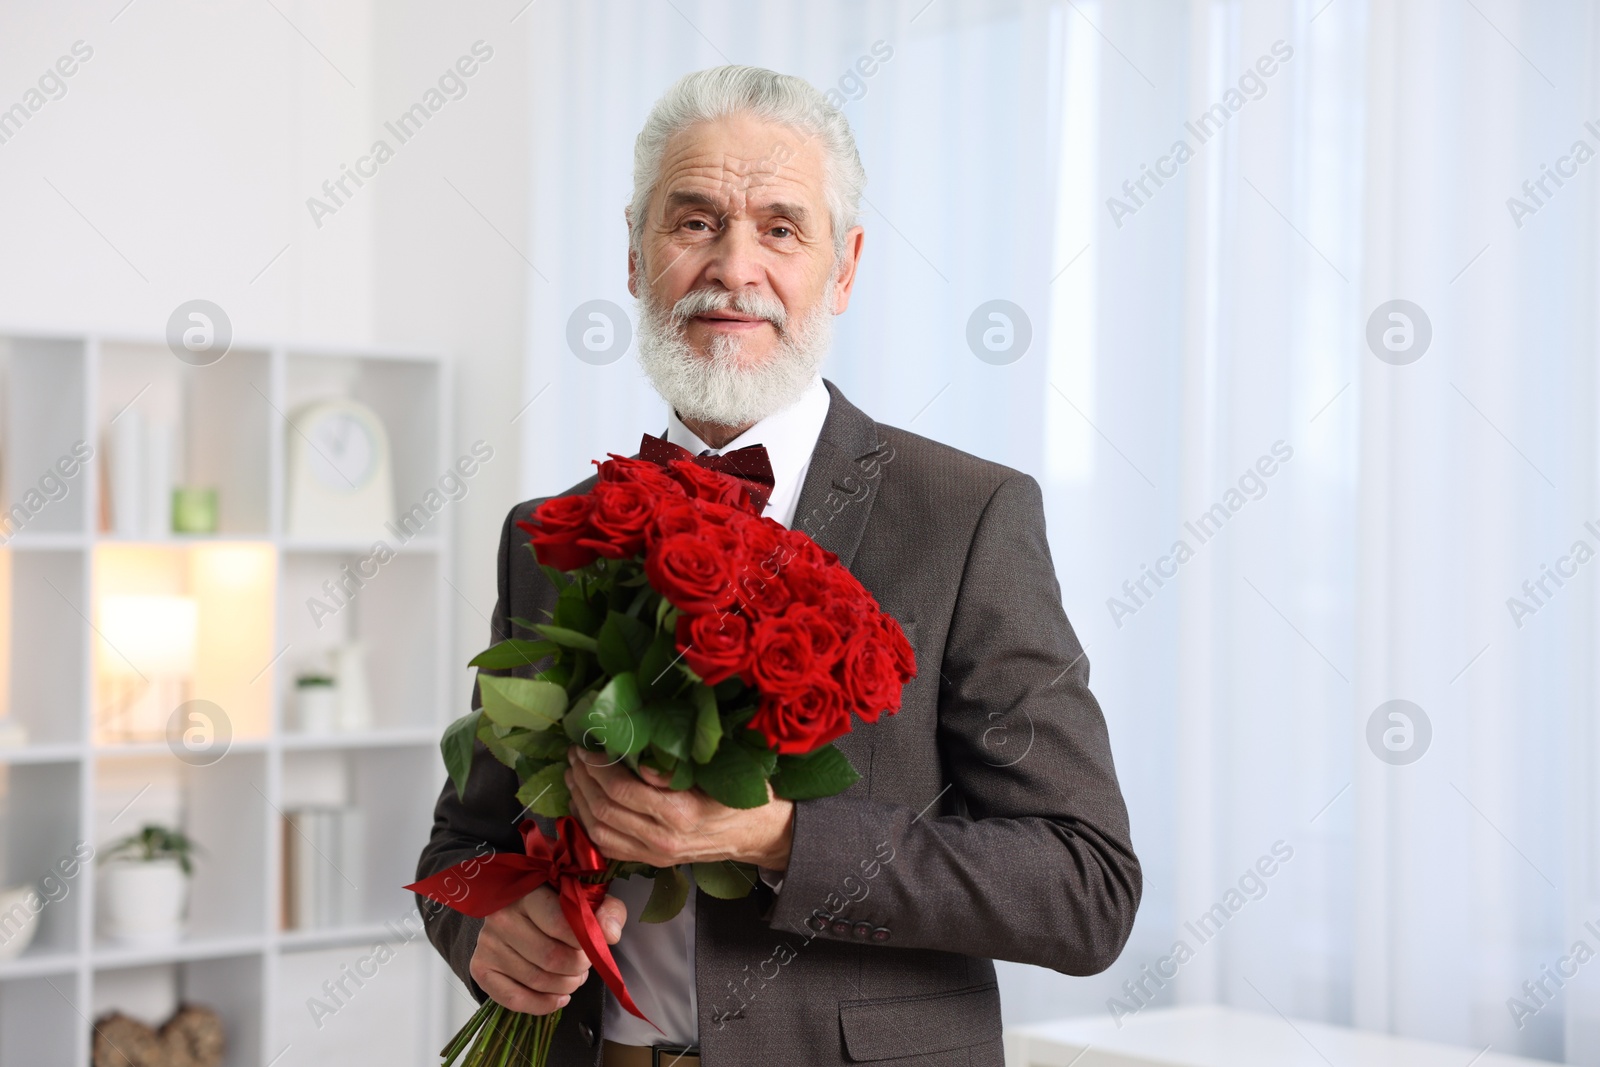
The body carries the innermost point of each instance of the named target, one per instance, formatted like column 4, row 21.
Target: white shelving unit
column 71, row 784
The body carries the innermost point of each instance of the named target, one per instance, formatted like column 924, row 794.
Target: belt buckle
column 669, row 1055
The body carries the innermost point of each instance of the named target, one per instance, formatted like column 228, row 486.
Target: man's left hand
column 640, row 818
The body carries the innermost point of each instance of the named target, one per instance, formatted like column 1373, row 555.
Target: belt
column 616, row 1054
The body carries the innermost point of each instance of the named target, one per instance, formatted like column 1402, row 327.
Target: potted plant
column 147, row 885
column 316, row 699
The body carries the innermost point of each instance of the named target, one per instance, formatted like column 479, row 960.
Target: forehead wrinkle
column 708, row 186
column 732, row 176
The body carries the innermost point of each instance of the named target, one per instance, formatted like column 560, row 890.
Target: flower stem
column 458, row 1044
column 496, row 1036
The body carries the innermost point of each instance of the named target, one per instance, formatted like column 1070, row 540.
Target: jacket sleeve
column 485, row 819
column 1037, row 865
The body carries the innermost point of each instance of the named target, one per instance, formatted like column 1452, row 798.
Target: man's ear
column 845, row 279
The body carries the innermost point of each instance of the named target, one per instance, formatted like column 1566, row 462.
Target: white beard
column 719, row 387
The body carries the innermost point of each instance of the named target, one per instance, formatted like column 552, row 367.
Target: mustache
column 745, row 302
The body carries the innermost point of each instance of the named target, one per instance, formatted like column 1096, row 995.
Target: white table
column 1213, row 1036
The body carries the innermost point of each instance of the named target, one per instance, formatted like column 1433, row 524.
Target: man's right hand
column 528, row 958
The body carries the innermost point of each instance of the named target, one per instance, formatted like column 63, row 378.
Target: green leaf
column 526, row 702
column 512, row 652
column 457, row 748
column 559, row 579
column 654, row 672
column 622, row 643
column 726, row 879
column 539, row 745
column 755, row 742
column 667, row 898
column 526, row 624
column 577, row 722
column 670, row 723
column 545, row 791
column 734, row 777
column 822, row 773
column 569, row 638
column 574, row 612
column 615, row 717
column 493, row 738
column 663, row 610
column 707, row 724
column 682, row 776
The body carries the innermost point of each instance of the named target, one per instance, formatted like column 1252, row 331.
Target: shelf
column 330, row 937
column 36, row 964
column 42, row 542
column 357, row 547
column 50, row 753
column 294, row 742
column 223, row 427
column 108, row 954
column 185, row 540
column 145, row 749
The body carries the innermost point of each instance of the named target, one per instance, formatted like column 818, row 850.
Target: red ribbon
column 481, row 887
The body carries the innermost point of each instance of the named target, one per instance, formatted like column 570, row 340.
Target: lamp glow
column 147, row 658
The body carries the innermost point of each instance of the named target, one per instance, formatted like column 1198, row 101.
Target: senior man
column 987, row 823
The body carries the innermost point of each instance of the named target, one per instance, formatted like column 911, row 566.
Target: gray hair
column 781, row 98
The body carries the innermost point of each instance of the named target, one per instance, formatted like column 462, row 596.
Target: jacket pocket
column 888, row 1027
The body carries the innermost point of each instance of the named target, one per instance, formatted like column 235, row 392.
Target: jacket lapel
column 837, row 494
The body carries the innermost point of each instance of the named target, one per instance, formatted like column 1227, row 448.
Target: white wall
column 179, row 161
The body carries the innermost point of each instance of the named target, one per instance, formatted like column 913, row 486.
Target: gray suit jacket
column 987, row 823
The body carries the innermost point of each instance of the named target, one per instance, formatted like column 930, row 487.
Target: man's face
column 738, row 212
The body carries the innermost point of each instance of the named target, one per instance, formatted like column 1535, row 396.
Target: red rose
column 869, row 672
column 846, row 586
column 783, row 660
column 809, row 583
column 621, row 515
column 676, row 515
column 804, row 721
column 905, row 658
column 716, row 646
column 846, row 615
column 725, row 539
column 763, row 546
column 802, row 547
column 689, row 572
column 643, row 472
column 826, row 643
column 717, row 513
column 558, row 525
column 702, row 483
column 761, row 598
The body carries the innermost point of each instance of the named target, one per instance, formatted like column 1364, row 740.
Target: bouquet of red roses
column 689, row 634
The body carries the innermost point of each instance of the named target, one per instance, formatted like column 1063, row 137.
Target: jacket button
column 841, row 926
column 880, row 933
column 817, row 923
column 586, row 1032
column 863, row 928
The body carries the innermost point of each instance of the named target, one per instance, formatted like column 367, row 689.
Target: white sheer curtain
column 1174, row 346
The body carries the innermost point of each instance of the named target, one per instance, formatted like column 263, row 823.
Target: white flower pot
column 19, row 919
column 316, row 708
column 146, row 903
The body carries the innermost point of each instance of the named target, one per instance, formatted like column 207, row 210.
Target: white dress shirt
column 656, row 960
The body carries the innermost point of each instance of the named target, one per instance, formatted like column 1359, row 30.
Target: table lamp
column 147, row 662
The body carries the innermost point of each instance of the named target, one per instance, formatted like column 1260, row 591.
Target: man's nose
column 736, row 257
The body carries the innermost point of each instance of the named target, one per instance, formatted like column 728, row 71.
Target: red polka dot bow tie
column 749, row 464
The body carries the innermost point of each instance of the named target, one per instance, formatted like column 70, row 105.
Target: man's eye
column 782, row 231
column 695, row 222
